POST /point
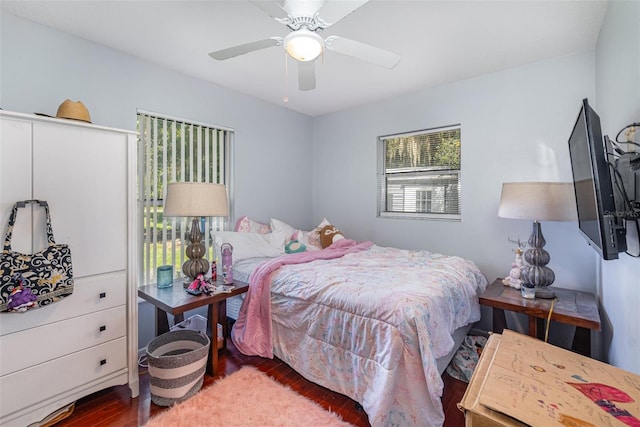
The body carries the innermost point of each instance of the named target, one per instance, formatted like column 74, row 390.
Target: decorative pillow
column 277, row 225
column 250, row 245
column 246, row 225
column 329, row 235
column 293, row 247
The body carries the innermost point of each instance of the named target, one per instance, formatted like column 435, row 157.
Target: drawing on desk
column 570, row 421
column 548, row 383
column 606, row 396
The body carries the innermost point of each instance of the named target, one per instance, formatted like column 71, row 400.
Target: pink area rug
column 247, row 397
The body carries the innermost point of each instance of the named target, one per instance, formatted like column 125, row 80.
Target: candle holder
column 165, row 276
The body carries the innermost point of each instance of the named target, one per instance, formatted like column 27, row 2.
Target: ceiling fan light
column 303, row 45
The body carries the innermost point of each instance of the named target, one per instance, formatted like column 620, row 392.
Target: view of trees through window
column 420, row 174
column 171, row 150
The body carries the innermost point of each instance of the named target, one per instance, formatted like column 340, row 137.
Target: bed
column 377, row 324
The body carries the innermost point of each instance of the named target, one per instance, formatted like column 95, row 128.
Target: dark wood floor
column 114, row 406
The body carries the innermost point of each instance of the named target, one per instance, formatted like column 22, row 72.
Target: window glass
column 175, row 150
column 419, row 174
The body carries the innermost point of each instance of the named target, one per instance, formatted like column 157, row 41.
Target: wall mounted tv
column 597, row 219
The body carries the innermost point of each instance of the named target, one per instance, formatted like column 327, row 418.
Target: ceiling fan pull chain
column 285, row 99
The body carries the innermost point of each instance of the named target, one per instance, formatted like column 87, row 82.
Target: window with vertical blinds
column 419, row 174
column 175, row 150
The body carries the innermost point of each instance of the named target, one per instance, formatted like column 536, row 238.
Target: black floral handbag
column 30, row 281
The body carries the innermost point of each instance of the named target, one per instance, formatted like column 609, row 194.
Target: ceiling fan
column 306, row 19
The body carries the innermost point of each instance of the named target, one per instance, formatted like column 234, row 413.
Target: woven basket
column 177, row 362
column 198, row 323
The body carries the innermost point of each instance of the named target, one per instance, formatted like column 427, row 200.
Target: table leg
column 222, row 319
column 177, row 318
column 582, row 341
column 212, row 315
column 162, row 322
column 499, row 320
column 533, row 327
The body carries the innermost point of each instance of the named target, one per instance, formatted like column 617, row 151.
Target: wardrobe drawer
column 29, row 386
column 53, row 340
column 90, row 294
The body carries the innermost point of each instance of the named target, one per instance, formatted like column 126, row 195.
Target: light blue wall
column 618, row 104
column 515, row 127
column 41, row 67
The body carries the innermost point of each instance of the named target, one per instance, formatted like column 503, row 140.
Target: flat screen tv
column 597, row 219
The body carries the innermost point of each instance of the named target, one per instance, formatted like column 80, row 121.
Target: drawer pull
column 103, row 328
column 103, row 362
column 103, row 295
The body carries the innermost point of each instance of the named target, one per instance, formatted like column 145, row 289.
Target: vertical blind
column 175, row 150
column 419, row 174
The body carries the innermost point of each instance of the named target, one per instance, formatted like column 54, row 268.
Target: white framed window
column 176, row 150
column 419, row 174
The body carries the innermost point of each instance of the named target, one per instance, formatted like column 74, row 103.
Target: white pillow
column 277, row 225
column 249, row 245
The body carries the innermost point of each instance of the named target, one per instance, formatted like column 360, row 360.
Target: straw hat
column 74, row 110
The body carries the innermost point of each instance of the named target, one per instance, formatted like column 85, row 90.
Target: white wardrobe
column 54, row 355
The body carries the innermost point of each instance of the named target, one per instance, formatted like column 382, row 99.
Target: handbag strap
column 12, row 220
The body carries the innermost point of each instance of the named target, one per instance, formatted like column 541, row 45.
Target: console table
column 175, row 300
column 572, row 307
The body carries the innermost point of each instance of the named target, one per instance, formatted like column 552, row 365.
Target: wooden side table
column 576, row 308
column 175, row 301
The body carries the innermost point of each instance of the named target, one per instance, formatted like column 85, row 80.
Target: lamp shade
column 196, row 199
column 548, row 201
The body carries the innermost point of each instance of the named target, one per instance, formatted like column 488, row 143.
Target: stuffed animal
column 514, row 279
column 329, row 235
column 294, row 246
column 21, row 299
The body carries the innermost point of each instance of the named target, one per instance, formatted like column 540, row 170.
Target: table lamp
column 538, row 201
column 195, row 199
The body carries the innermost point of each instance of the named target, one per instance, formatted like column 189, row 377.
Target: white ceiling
column 439, row 42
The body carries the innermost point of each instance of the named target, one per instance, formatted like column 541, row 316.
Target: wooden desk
column 175, row 301
column 521, row 381
column 572, row 307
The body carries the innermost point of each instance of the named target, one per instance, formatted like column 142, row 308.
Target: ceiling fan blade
column 368, row 53
column 272, row 8
column 334, row 11
column 306, row 75
column 303, row 8
column 231, row 52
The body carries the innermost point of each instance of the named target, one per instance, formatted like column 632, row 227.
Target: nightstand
column 175, row 300
column 576, row 308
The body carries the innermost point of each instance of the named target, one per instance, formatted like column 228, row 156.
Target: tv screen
column 595, row 202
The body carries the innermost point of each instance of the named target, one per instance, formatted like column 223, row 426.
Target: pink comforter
column 251, row 333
